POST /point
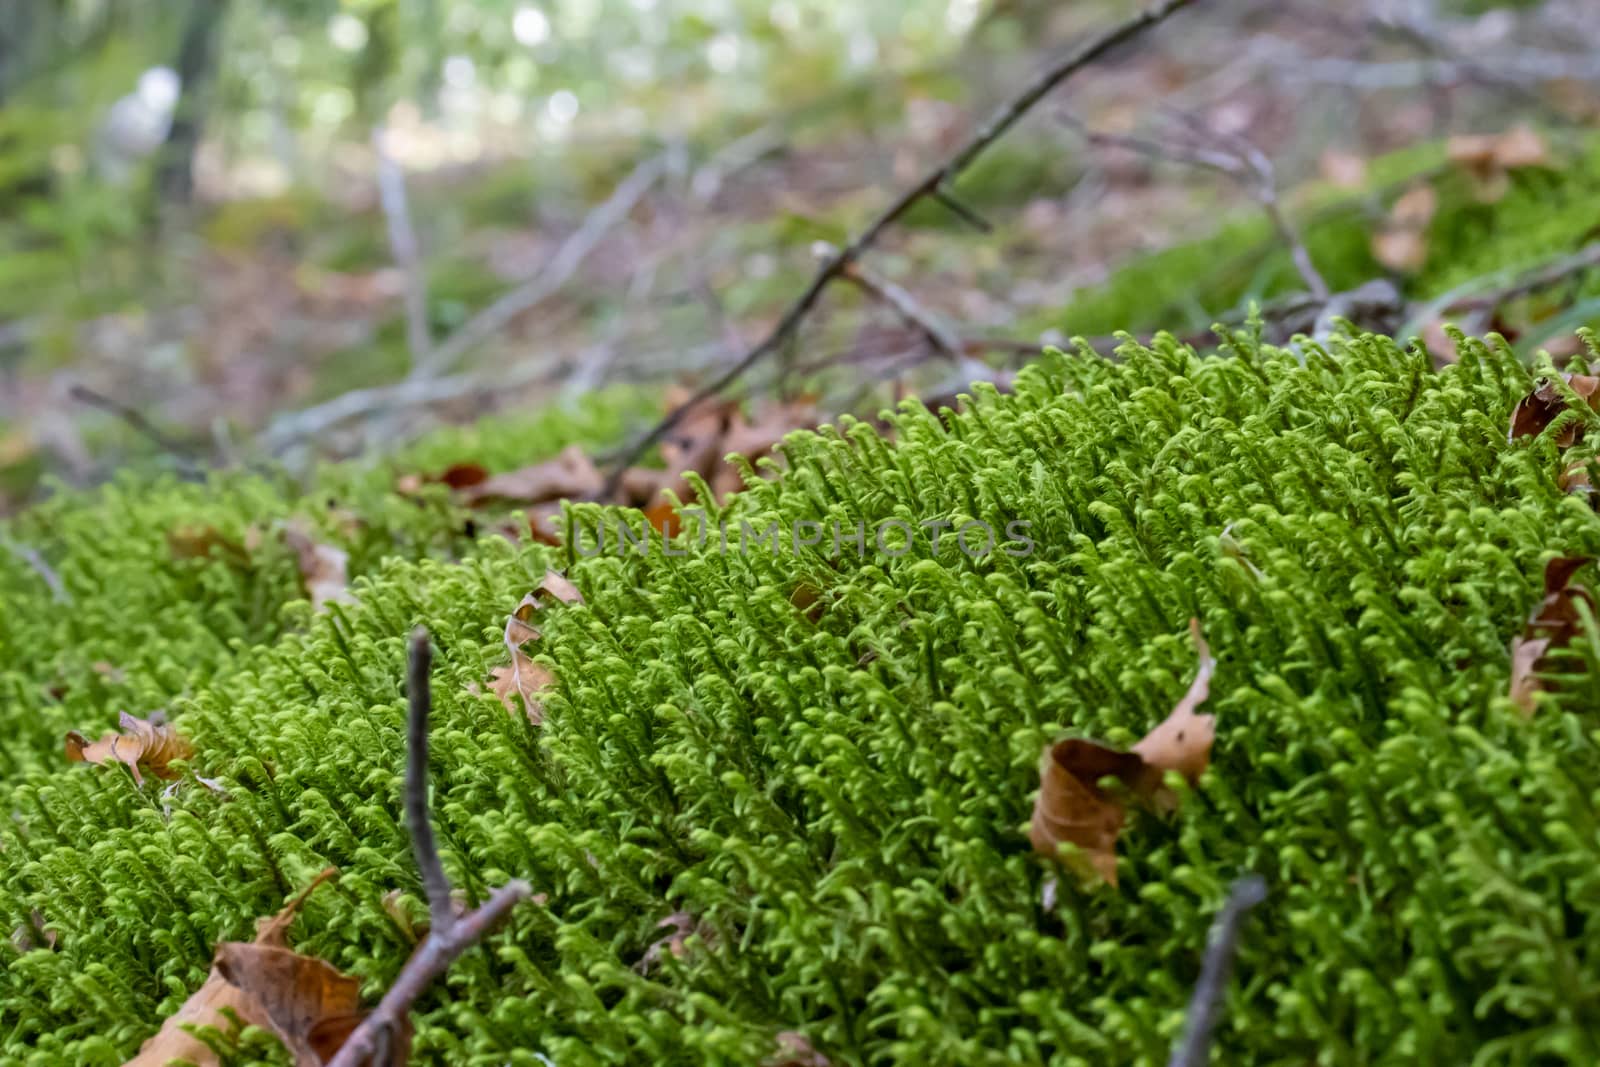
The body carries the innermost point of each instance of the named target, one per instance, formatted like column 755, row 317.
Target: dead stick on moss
column 448, row 937
column 1194, row 1047
column 30, row 555
column 931, row 185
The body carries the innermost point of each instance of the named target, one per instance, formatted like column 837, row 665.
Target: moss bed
column 828, row 761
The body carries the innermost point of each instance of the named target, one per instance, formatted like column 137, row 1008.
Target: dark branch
column 138, row 422
column 419, row 704
column 930, row 184
column 448, row 937
column 1194, row 1047
column 903, row 304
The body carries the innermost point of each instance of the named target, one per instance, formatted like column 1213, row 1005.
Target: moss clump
column 1543, row 212
column 837, row 793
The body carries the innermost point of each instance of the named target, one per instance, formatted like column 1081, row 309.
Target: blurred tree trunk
column 197, row 68
column 21, row 22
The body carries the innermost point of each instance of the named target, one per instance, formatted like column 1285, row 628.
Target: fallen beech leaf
column 570, row 474
column 152, row 742
column 323, row 568
column 1343, row 170
column 1486, row 158
column 523, row 677
column 1073, row 808
column 1401, row 242
column 1182, row 741
column 756, row 439
column 308, row 1004
column 1553, row 625
column 663, row 517
column 1539, row 408
column 557, row 585
column 456, row 476
column 199, row 541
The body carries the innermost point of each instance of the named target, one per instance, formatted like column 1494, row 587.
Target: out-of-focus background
column 260, row 231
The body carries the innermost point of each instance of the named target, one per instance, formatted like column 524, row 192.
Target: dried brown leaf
column 1401, row 243
column 568, row 475
column 152, row 743
column 1539, row 408
column 1343, row 170
column 455, row 476
column 1073, row 808
column 309, row 1005
column 324, row 569
column 1553, row 625
column 1487, row 158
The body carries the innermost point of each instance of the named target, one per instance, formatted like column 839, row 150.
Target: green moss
column 1544, row 214
column 839, row 799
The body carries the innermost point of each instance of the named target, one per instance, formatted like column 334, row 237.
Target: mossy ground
column 837, row 794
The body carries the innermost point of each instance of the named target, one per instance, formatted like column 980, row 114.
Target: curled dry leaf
column 455, row 476
column 152, row 743
column 1401, row 243
column 1539, row 408
column 1488, row 158
column 323, row 568
column 1552, row 626
column 1073, row 808
column 522, row 676
column 304, row 1001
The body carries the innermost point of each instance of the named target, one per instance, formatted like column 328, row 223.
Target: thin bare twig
column 30, row 555
column 403, row 246
column 1492, row 290
column 941, row 176
column 448, row 937
column 898, row 300
column 1239, row 159
column 139, row 422
column 419, row 704
column 1194, row 1047
column 556, row 274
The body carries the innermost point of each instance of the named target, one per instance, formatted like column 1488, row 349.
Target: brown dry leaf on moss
column 1343, row 170
column 522, row 676
column 455, row 476
column 309, row 1005
column 570, row 474
column 324, row 569
column 1539, row 408
column 1552, row 626
column 1401, row 243
column 201, row 541
column 1073, row 808
column 1488, row 158
column 152, row 743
